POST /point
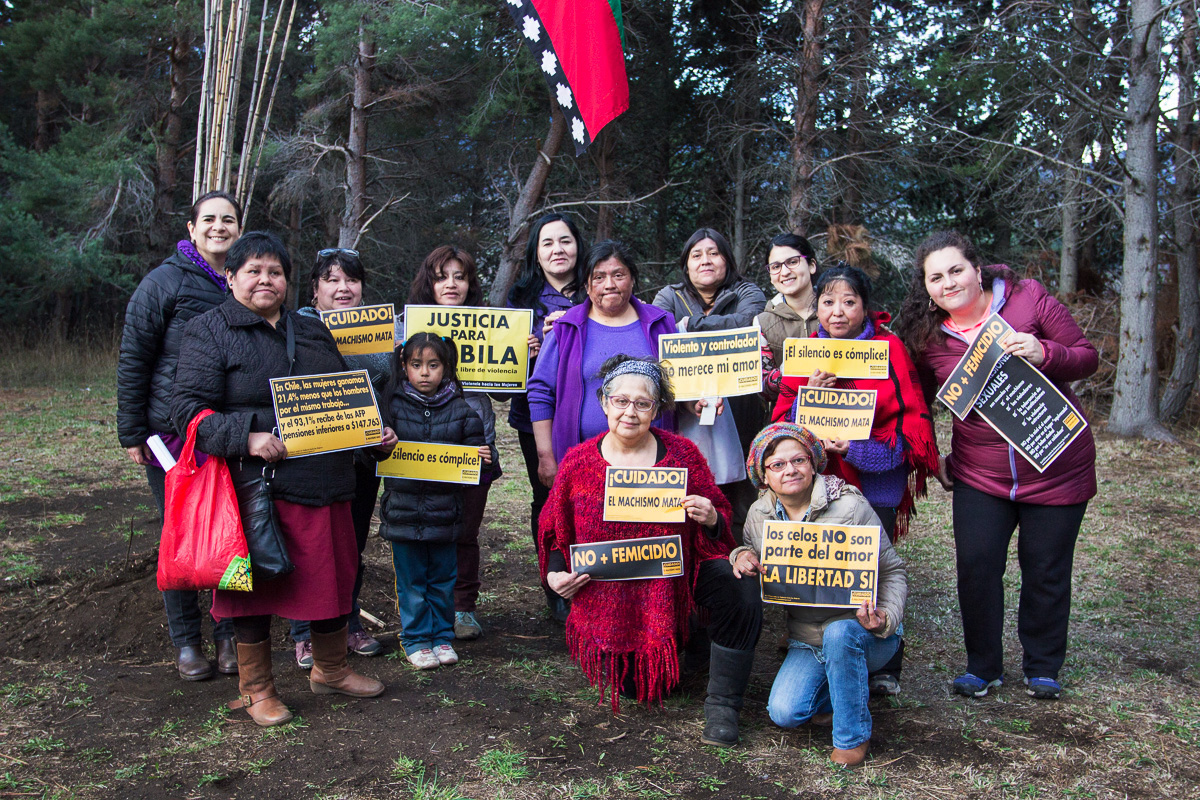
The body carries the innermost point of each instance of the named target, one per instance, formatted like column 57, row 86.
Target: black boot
column 728, row 675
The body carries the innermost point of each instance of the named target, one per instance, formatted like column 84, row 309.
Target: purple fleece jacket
column 981, row 458
column 556, row 387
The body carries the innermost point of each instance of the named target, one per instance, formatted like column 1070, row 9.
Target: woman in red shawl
column 627, row 635
column 892, row 466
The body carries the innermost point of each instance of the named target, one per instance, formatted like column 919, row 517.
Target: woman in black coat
column 228, row 357
column 188, row 283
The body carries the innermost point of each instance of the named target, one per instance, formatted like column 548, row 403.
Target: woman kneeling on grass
column 627, row 635
column 830, row 650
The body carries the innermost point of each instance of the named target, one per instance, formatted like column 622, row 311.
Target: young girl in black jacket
column 422, row 519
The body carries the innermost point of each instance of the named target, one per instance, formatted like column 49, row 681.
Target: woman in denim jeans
column 823, row 679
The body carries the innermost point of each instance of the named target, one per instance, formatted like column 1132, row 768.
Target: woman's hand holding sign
column 747, row 565
column 266, row 446
column 700, row 509
column 1025, row 345
column 567, row 584
column 872, row 618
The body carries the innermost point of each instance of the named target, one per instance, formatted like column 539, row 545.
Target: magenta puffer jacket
column 981, row 459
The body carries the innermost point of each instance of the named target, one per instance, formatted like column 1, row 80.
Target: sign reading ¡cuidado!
column 828, row 566
column 363, row 329
column 712, row 364
column 644, row 494
column 837, row 414
column 845, row 358
column 493, row 343
column 423, row 461
column 325, row 413
column 629, row 559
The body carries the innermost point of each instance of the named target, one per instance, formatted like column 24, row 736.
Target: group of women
column 207, row 329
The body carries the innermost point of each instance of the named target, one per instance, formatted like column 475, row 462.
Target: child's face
column 424, row 371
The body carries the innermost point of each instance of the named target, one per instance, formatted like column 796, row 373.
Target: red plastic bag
column 203, row 546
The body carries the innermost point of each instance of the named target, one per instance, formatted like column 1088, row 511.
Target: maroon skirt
column 320, row 541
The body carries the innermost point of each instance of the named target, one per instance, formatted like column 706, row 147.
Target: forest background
column 1061, row 136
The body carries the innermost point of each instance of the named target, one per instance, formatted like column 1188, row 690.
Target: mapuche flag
column 577, row 45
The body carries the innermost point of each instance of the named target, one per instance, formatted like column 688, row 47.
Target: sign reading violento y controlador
column 629, row 559
column 326, row 413
column 425, row 461
column 827, row 566
column 712, row 364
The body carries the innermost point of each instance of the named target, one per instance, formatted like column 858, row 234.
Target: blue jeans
column 831, row 678
column 184, row 617
column 425, row 575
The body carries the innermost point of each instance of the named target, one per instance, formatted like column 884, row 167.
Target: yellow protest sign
column 712, row 364
column 493, row 343
column 845, row 358
column 810, row 564
column 644, row 494
column 362, row 329
column 425, row 461
column 325, row 413
column 844, row 414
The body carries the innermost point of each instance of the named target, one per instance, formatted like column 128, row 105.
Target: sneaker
column 424, row 659
column 445, row 655
column 969, row 685
column 466, row 627
column 883, row 685
column 362, row 643
column 304, row 654
column 1043, row 688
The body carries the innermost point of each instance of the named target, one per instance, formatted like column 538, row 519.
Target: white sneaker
column 445, row 655
column 425, row 659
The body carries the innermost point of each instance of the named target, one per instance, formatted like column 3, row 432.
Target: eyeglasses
column 621, row 402
column 799, row 462
column 791, row 263
column 334, row 251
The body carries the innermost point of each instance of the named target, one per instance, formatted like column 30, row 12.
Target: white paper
column 708, row 415
column 161, row 452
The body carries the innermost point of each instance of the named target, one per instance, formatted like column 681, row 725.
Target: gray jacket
column 833, row 502
column 733, row 308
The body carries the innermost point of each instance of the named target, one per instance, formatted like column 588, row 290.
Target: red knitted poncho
column 618, row 626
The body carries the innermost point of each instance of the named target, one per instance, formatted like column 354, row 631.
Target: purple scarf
column 189, row 250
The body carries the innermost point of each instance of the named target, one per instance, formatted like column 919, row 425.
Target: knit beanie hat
column 774, row 432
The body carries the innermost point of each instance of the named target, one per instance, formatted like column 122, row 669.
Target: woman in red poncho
column 891, row 467
column 627, row 635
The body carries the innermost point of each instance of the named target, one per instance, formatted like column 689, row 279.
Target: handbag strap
column 291, row 347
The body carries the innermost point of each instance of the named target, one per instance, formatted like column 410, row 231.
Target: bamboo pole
column 251, row 107
column 287, row 34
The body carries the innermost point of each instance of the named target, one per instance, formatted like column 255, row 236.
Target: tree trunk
column 804, row 135
column 168, row 151
column 356, row 145
column 739, row 202
column 1068, row 265
column 1135, row 395
column 518, row 223
column 47, row 102
column 604, row 145
column 849, row 208
column 1182, row 382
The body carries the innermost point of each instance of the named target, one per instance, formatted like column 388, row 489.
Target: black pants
column 983, row 526
column 734, row 605
column 540, row 492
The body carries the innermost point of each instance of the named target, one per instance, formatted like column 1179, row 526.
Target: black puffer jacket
column 167, row 299
column 427, row 511
column 228, row 357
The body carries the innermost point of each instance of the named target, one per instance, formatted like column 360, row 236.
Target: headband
column 634, row 366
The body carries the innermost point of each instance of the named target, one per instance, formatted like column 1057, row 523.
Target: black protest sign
column 961, row 389
column 827, row 566
column 629, row 559
column 1029, row 412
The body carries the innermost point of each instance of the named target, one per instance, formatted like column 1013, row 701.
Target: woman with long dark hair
column 995, row 490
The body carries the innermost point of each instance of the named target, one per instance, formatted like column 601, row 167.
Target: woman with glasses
column 823, row 679
column 627, row 635
column 336, row 281
column 790, row 314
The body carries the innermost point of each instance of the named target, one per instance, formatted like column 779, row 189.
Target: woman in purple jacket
column 995, row 489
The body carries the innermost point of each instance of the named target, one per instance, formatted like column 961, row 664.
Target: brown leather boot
column 852, row 757
column 192, row 664
column 331, row 674
column 256, row 685
column 227, row 657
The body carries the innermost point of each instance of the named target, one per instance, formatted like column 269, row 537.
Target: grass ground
column 90, row 707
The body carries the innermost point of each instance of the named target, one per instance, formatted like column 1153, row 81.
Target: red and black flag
column 578, row 46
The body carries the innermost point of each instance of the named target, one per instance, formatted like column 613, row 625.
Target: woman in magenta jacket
column 995, row 489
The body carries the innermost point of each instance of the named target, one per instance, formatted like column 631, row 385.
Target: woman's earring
column 931, row 302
